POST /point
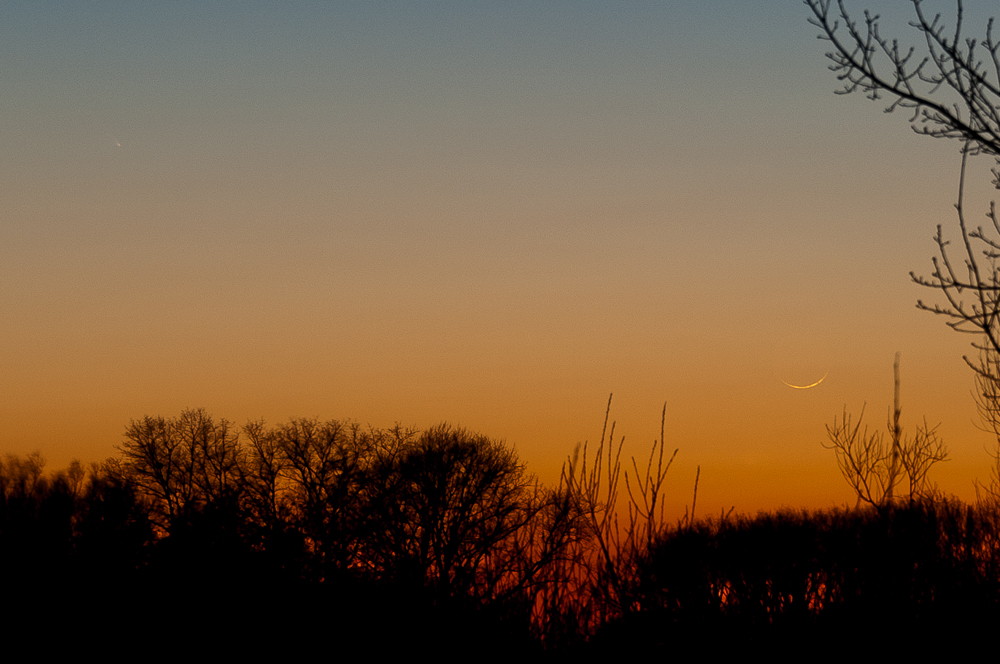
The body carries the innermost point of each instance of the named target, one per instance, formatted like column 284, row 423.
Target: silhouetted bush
column 789, row 576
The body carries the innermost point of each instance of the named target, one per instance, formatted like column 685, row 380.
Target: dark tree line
column 910, row 579
column 443, row 533
column 444, row 510
column 265, row 540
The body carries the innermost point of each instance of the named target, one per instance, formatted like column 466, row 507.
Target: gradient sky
column 494, row 214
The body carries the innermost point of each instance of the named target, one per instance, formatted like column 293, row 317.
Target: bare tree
column 321, row 468
column 951, row 87
column 876, row 466
column 181, row 463
column 604, row 573
column 155, row 463
column 951, row 84
column 216, row 454
column 951, row 90
column 988, row 403
column 446, row 510
column 264, row 475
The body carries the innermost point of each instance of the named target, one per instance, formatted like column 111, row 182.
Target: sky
column 491, row 214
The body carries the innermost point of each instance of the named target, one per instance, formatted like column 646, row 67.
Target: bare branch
column 875, row 467
column 949, row 89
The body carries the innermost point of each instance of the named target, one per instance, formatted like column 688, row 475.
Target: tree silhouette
column 877, row 468
column 603, row 573
column 443, row 507
column 181, row 464
column 452, row 546
column 324, row 465
column 951, row 84
column 949, row 88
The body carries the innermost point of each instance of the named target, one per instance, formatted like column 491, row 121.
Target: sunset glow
column 490, row 214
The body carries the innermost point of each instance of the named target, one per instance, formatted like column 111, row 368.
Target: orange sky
column 490, row 215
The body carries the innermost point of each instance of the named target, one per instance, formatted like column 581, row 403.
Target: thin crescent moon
column 806, row 387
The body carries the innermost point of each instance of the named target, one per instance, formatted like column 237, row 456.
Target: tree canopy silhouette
column 329, row 531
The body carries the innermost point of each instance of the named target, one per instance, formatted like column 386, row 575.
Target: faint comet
column 117, row 143
column 806, row 387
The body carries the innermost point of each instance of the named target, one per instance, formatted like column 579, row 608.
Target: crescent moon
column 806, row 387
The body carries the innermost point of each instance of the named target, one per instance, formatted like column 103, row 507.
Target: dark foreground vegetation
column 326, row 534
